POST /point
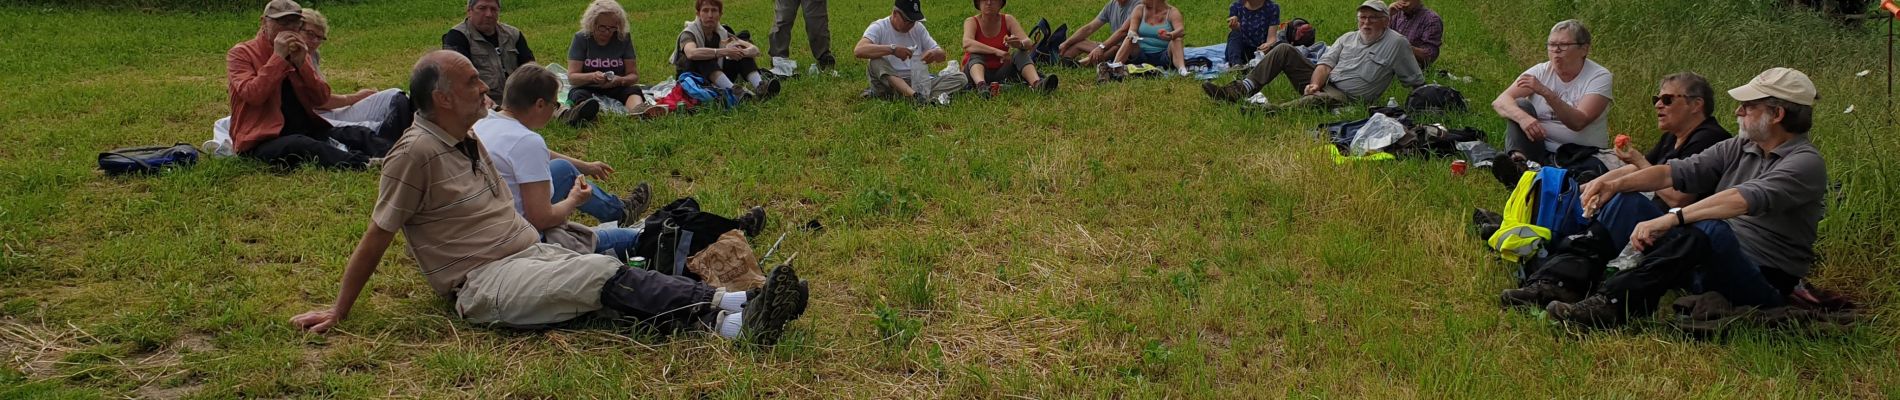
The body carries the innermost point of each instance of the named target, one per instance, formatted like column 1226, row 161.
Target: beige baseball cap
column 1781, row 83
column 1375, row 5
column 281, row 8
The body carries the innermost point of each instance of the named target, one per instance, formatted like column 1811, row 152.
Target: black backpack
column 145, row 160
column 1435, row 99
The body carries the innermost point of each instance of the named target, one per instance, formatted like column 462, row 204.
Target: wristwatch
column 1678, row 213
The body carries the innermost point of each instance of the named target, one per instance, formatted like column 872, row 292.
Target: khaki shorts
column 542, row 285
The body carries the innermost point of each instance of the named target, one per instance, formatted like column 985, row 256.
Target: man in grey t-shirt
column 1358, row 68
column 1114, row 15
column 1753, row 234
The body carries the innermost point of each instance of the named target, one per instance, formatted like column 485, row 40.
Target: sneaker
column 1538, row 293
column 782, row 300
column 1596, row 311
column 989, row 90
column 753, row 221
column 635, row 204
column 648, row 111
column 1049, row 83
column 827, row 64
column 581, row 114
column 1231, row 92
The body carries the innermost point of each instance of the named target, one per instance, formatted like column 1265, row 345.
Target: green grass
column 1121, row 240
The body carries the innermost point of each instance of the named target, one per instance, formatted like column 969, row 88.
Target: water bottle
column 1629, row 259
column 1392, row 102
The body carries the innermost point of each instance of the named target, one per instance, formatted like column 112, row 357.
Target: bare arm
column 1723, row 205
column 867, row 50
column 1321, row 74
column 694, row 52
column 1506, row 105
column 1083, row 33
column 361, row 266
column 544, row 214
column 1580, row 116
column 583, row 78
column 1016, row 31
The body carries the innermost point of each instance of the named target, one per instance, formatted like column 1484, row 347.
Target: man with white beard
column 1751, row 242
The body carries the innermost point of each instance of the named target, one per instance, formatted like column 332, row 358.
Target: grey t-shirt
column 595, row 57
column 1784, row 189
column 1364, row 70
column 1115, row 13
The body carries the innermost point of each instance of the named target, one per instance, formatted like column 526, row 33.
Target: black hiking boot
column 1485, row 223
column 782, row 300
column 1538, row 293
column 1595, row 311
column 636, row 203
column 753, row 221
column 1231, row 92
column 1049, row 83
column 581, row 114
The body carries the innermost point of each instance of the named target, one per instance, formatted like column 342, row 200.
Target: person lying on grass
column 996, row 50
column 1356, row 69
column 1751, row 240
column 276, row 93
column 900, row 49
column 712, row 51
column 1684, row 104
column 442, row 192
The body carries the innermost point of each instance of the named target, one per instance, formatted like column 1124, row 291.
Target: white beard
column 1747, row 131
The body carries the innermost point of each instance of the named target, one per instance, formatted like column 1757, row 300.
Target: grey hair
column 471, row 3
column 1695, row 86
column 1576, row 30
column 424, row 82
column 604, row 7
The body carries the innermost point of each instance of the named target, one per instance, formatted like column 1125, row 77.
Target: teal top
column 1151, row 41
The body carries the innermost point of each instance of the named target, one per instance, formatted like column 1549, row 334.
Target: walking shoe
column 769, row 88
column 782, row 300
column 1485, row 223
column 1596, row 311
column 1231, row 92
column 1049, row 83
column 827, row 63
column 753, row 221
column 1538, row 293
column 648, row 111
column 989, row 90
column 635, row 204
column 581, row 114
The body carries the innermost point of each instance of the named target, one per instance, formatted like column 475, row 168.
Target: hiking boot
column 753, row 221
column 1538, row 293
column 581, row 114
column 1049, row 83
column 1231, row 92
column 769, row 89
column 827, row 63
column 1485, row 223
column 1595, row 311
column 636, row 202
column 782, row 300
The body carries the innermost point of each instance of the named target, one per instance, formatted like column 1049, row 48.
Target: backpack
column 1435, row 98
column 145, row 160
column 1544, row 204
column 1298, row 32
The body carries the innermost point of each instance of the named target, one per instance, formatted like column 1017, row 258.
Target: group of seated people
column 446, row 153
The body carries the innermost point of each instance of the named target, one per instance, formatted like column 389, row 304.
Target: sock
column 729, row 324
column 753, row 78
column 721, row 81
column 1246, row 84
column 732, row 301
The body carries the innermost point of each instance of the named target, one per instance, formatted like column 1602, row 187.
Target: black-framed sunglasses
column 1670, row 99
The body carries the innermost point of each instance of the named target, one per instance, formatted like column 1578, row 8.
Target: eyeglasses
column 1564, row 46
column 1670, row 99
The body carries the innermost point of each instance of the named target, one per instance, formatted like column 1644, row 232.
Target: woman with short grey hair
column 1565, row 100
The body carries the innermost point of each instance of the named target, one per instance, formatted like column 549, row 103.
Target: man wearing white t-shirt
column 900, row 51
column 525, row 163
column 1563, row 101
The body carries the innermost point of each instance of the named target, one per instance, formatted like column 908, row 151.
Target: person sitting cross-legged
column 442, row 192
column 524, row 161
column 1751, row 241
column 1157, row 34
column 601, row 62
column 988, row 58
column 1356, row 69
column 899, row 48
column 1114, row 16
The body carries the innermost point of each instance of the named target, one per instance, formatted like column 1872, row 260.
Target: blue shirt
column 1254, row 28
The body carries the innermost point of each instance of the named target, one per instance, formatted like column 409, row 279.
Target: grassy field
column 1110, row 241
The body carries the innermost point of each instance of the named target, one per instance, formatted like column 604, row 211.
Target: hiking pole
column 774, row 248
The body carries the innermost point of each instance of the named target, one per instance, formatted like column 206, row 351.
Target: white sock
column 732, row 301
column 753, row 78
column 729, row 325
column 721, row 81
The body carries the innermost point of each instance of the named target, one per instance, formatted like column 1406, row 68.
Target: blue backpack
column 146, row 160
column 1559, row 203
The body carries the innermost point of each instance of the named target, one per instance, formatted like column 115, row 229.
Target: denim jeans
column 617, row 242
column 604, row 207
column 1725, row 270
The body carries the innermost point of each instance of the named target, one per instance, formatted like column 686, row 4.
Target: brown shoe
column 1231, row 92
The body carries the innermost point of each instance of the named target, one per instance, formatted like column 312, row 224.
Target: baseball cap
column 281, row 8
column 913, row 9
column 1375, row 5
column 1781, row 83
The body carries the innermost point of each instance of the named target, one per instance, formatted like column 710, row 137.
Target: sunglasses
column 1670, row 99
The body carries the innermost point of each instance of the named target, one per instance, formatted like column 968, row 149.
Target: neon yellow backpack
column 1518, row 238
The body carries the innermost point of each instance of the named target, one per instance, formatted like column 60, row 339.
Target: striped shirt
column 451, row 205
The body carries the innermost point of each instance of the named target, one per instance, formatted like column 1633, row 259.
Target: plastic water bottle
column 1625, row 261
column 1392, row 102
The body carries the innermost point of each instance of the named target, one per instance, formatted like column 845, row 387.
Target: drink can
column 1458, row 167
column 637, row 262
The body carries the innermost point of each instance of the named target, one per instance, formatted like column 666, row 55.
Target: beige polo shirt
column 445, row 197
